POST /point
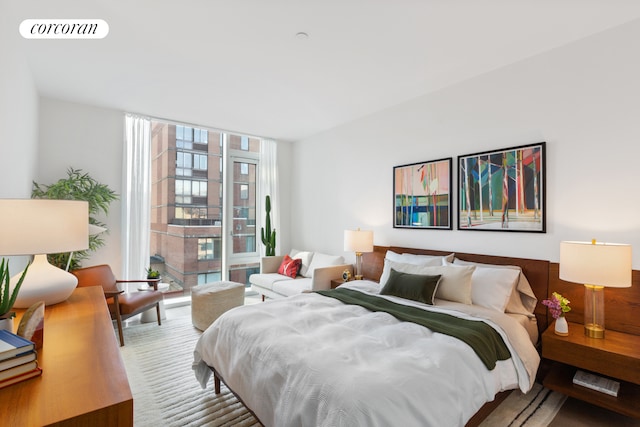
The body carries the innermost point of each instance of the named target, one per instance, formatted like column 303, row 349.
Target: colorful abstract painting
column 503, row 190
column 422, row 195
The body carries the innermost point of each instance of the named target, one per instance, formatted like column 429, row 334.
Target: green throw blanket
column 483, row 339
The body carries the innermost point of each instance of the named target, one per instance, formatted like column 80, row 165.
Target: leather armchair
column 121, row 305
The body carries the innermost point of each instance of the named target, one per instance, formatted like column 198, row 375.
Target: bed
column 344, row 357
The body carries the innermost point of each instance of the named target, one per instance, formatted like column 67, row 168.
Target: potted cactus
column 8, row 297
column 267, row 234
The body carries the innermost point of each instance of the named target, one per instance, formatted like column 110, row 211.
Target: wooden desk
column 83, row 382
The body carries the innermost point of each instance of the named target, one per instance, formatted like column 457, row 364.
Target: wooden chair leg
column 158, row 313
column 119, row 321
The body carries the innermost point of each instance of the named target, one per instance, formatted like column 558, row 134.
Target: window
column 186, row 188
column 201, row 136
column 244, row 191
column 184, row 212
column 209, row 248
column 215, row 276
column 200, row 162
column 183, row 163
column 196, row 175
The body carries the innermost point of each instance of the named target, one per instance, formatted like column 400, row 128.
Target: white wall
column 18, row 118
column 87, row 138
column 18, row 124
column 582, row 99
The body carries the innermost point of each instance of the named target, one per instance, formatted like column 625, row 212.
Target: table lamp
column 596, row 265
column 40, row 227
column 358, row 241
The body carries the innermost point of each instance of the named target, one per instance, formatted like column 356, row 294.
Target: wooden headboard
column 537, row 271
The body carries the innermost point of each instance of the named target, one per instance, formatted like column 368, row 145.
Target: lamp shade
column 42, row 226
column 601, row 264
column 358, row 240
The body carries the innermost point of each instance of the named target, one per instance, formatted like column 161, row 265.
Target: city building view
column 203, row 206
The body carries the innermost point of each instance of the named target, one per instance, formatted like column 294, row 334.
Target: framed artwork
column 422, row 195
column 503, row 190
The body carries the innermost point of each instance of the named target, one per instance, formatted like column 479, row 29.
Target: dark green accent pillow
column 416, row 287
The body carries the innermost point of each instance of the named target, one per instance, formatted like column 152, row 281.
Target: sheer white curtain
column 269, row 186
column 136, row 201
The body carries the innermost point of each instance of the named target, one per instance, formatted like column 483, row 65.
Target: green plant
column 268, row 236
column 152, row 274
column 78, row 186
column 7, row 298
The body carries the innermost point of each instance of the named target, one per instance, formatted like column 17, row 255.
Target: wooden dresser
column 83, row 382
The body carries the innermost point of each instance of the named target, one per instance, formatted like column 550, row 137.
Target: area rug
column 166, row 393
column 535, row 409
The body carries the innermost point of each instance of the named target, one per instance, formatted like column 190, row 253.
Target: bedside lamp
column 41, row 227
column 595, row 265
column 358, row 241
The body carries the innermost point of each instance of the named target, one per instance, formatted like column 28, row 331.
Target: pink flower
column 558, row 305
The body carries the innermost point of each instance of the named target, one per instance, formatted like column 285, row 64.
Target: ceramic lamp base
column 44, row 282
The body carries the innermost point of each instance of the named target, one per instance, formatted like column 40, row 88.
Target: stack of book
column 17, row 359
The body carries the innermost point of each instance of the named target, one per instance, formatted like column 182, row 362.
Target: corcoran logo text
column 64, row 29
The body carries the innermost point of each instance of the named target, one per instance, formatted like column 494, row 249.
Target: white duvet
column 310, row 360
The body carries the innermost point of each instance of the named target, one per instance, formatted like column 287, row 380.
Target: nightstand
column 336, row 282
column 617, row 356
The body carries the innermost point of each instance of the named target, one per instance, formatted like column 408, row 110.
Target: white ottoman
column 210, row 300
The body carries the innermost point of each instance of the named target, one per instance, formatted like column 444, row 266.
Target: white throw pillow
column 404, row 267
column 492, row 287
column 521, row 302
column 323, row 260
column 306, row 258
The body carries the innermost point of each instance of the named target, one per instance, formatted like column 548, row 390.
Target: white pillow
column 323, row 260
column 492, row 287
column 306, row 261
column 417, row 259
column 404, row 267
column 521, row 302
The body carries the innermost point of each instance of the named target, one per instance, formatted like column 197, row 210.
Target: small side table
column 617, row 356
column 336, row 282
column 150, row 315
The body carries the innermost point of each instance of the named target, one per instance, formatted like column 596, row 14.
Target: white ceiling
column 238, row 65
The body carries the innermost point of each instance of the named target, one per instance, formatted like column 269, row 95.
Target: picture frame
column 422, row 195
column 503, row 190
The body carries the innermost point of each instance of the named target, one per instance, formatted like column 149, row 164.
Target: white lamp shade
column 358, row 240
column 600, row 264
column 40, row 226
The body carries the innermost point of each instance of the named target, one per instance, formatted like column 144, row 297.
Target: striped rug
column 166, row 393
